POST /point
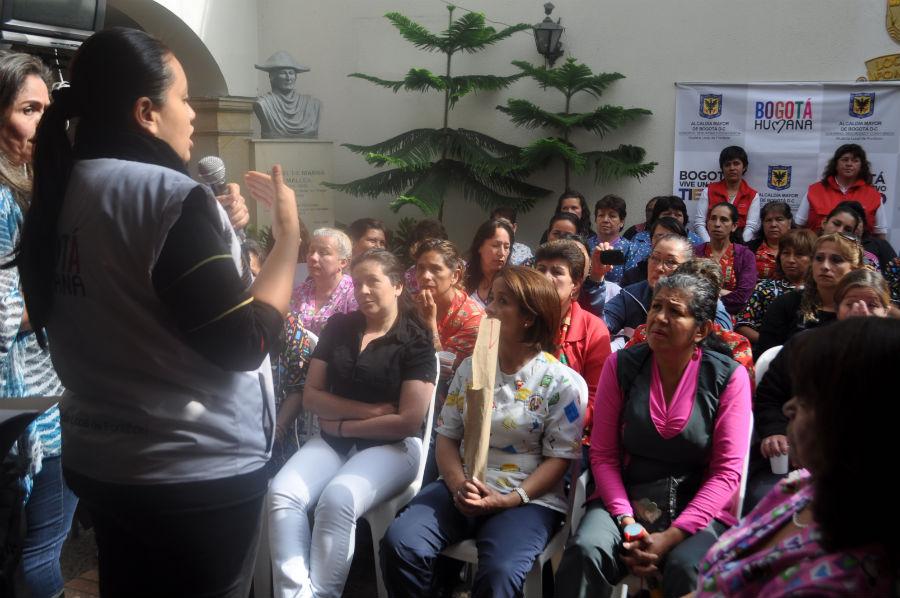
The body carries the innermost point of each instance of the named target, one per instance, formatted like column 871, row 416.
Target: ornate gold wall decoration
column 892, row 19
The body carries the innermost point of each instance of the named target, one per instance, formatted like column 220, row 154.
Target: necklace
column 796, row 519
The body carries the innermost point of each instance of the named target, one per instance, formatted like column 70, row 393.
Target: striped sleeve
column 196, row 278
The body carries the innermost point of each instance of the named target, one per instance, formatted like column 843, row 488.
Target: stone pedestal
column 306, row 163
column 223, row 128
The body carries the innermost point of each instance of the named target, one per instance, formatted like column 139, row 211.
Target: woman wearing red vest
column 731, row 189
column 847, row 177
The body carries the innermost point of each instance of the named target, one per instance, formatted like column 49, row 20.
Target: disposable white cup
column 779, row 464
column 446, row 358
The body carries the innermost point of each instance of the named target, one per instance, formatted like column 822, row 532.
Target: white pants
column 316, row 562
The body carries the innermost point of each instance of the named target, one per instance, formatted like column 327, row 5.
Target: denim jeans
column 48, row 515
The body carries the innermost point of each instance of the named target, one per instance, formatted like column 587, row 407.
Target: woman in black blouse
column 370, row 380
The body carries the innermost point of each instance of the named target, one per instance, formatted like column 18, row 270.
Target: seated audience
column 670, row 413
column 367, row 233
column 573, row 202
column 520, row 254
column 860, row 293
column 795, row 251
column 665, row 206
column 370, row 381
column 848, row 218
column 428, row 228
column 737, row 343
column 561, row 223
column 662, row 226
column 834, row 256
column 628, row 309
column 733, row 190
column 609, row 215
column 535, row 431
column 583, row 340
column 451, row 315
column 807, row 536
column 256, row 255
column 487, row 256
column 327, row 290
column 737, row 262
column 776, row 222
column 293, row 424
column 640, row 227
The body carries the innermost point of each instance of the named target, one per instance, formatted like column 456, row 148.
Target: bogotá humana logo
column 711, row 105
column 862, row 105
column 779, row 177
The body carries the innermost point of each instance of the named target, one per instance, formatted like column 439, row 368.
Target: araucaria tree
column 571, row 79
column 424, row 164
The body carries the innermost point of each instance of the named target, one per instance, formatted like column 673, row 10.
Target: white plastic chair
column 381, row 516
column 762, row 364
column 467, row 551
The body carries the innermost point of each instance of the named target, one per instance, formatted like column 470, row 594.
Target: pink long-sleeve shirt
column 730, row 441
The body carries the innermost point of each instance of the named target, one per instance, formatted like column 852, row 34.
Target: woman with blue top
column 609, row 216
column 665, row 206
column 536, row 429
column 25, row 367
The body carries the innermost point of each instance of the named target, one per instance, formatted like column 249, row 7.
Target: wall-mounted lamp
column 547, row 36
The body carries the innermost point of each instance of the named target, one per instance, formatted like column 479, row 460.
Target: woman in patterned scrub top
column 535, row 433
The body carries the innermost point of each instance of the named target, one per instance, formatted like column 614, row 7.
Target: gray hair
column 687, row 249
column 705, row 267
column 703, row 296
column 340, row 239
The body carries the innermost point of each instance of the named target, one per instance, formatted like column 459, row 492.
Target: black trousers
column 195, row 539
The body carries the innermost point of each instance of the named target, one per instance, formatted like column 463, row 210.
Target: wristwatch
column 620, row 518
column 522, row 494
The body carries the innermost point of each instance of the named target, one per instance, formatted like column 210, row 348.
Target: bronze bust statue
column 284, row 112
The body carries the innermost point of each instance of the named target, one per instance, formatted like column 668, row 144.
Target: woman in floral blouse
column 795, row 251
column 776, row 222
column 452, row 315
column 808, row 537
column 328, row 290
column 737, row 262
column 293, row 425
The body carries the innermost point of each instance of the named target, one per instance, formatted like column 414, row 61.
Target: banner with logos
column 790, row 131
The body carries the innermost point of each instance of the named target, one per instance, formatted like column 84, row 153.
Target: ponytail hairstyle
column 111, row 71
column 15, row 68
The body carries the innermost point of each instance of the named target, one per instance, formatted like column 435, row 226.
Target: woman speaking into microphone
column 134, row 270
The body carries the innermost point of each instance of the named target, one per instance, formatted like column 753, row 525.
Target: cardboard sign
column 480, row 398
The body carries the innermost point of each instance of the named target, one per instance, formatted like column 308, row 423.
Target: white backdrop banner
column 790, row 131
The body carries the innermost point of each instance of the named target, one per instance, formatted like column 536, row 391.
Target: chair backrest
column 762, row 364
column 742, row 489
column 426, row 432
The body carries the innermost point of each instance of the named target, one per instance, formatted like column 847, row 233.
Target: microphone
column 211, row 171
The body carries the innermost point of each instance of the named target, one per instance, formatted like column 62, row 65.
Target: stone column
column 223, row 128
